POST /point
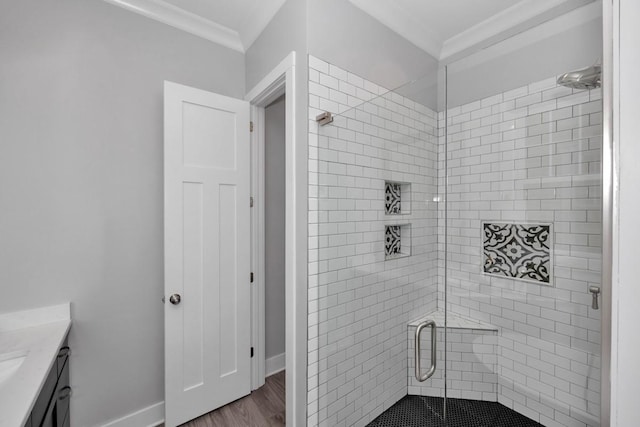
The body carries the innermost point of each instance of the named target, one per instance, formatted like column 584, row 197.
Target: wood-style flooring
column 264, row 407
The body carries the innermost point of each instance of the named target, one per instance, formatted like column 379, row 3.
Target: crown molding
column 552, row 27
column 517, row 18
column 183, row 20
column 513, row 20
column 522, row 16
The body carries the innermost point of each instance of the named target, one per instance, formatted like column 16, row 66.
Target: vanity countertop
column 37, row 335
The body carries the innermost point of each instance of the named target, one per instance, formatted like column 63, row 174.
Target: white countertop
column 454, row 321
column 38, row 334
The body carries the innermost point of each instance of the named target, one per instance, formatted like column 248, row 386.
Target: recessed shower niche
column 397, row 241
column 397, row 237
column 397, row 198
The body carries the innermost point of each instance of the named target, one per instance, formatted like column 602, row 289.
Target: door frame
column 281, row 80
column 610, row 212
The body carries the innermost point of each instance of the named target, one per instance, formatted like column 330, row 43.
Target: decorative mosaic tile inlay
column 392, row 198
column 520, row 251
column 392, row 240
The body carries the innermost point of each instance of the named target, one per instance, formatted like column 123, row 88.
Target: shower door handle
column 419, row 376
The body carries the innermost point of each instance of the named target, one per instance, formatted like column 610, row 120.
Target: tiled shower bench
column 471, row 358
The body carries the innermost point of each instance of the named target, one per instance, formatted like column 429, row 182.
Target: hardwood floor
column 264, row 407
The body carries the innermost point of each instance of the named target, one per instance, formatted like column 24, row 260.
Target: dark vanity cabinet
column 52, row 405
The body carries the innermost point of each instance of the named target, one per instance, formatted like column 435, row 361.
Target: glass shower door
column 523, row 235
column 470, row 198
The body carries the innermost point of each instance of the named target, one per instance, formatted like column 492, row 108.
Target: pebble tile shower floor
column 419, row 411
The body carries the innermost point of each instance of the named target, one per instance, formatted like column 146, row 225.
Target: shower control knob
column 175, row 299
column 595, row 291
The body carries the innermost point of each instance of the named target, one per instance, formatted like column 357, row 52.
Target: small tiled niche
column 397, row 241
column 397, row 198
column 518, row 251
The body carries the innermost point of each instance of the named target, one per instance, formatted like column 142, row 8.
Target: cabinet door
column 63, row 355
column 42, row 405
column 52, row 404
column 50, row 416
column 63, row 396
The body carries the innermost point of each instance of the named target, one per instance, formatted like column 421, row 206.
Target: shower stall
column 455, row 242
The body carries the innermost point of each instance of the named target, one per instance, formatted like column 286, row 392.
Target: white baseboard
column 275, row 364
column 151, row 416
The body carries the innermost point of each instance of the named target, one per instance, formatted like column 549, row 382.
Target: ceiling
column 443, row 28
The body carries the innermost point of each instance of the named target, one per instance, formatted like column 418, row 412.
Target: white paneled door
column 207, row 254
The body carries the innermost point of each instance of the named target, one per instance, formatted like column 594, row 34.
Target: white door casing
column 282, row 79
column 207, row 251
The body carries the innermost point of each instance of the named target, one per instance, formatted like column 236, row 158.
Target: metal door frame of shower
column 609, row 208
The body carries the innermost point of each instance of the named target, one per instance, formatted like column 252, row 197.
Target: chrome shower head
column 584, row 78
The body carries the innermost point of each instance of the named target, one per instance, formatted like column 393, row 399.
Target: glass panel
column 523, row 234
column 481, row 212
column 373, row 246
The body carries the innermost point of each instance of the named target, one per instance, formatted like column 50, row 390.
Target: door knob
column 175, row 299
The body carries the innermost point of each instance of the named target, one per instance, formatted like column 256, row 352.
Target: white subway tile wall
column 527, row 155
column 360, row 304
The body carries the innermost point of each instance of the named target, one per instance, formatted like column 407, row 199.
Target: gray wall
column 286, row 32
column 343, row 35
column 577, row 47
column 81, row 215
column 274, row 228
